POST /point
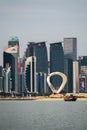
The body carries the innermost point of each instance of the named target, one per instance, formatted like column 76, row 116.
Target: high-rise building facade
column 1, row 79
column 13, row 41
column 82, row 83
column 56, row 62
column 40, row 51
column 75, row 77
column 1, row 71
column 21, row 82
column 7, row 84
column 68, row 65
column 30, row 74
column 70, row 55
column 82, row 64
column 41, row 83
column 70, row 48
column 82, row 74
column 10, row 57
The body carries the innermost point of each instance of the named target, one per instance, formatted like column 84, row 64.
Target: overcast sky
column 43, row 20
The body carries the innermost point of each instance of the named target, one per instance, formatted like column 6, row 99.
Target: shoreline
column 37, row 98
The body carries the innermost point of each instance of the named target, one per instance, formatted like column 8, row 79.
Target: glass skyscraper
column 1, row 79
column 70, row 55
column 9, row 59
column 69, row 72
column 41, row 83
column 10, row 56
column 56, row 62
column 40, row 51
column 70, row 48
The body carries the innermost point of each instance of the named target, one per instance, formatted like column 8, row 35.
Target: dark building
column 82, row 64
column 1, row 71
column 9, row 59
column 40, row 51
column 12, row 41
column 1, row 79
column 56, row 62
column 21, row 82
column 41, row 83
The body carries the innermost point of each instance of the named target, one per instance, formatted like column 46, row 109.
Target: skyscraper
column 7, row 76
column 13, row 41
column 70, row 54
column 40, row 51
column 56, row 62
column 68, row 66
column 21, row 82
column 70, row 48
column 30, row 74
column 1, row 79
column 82, row 74
column 41, row 83
column 82, row 63
column 10, row 56
column 75, row 77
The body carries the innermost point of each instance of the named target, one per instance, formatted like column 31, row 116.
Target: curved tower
column 30, row 74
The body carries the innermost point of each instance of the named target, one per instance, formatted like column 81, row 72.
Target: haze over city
column 48, row 20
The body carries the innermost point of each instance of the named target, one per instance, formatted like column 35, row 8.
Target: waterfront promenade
column 43, row 98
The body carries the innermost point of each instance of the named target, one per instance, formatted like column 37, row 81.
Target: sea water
column 43, row 115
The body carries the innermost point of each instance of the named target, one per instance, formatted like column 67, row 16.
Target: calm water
column 43, row 115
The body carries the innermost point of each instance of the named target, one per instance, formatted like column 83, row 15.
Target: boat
column 70, row 98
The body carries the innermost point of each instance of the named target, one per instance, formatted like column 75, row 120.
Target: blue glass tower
column 10, row 56
column 56, row 62
column 40, row 51
column 9, row 59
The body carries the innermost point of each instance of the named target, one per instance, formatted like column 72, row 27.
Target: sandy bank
column 37, row 98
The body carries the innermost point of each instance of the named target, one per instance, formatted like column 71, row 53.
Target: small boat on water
column 70, row 98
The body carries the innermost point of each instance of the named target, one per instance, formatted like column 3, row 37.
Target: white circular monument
column 64, row 81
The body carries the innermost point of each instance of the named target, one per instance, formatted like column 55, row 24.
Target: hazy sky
column 43, row 20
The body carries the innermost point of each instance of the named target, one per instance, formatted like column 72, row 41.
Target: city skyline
column 49, row 20
column 32, row 70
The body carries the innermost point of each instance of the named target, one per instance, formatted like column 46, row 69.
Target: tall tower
column 13, row 41
column 1, row 79
column 10, row 56
column 70, row 55
column 30, row 74
column 82, row 74
column 75, row 77
column 70, row 48
column 40, row 51
column 56, row 62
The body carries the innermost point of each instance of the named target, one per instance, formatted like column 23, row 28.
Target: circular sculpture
column 64, row 81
